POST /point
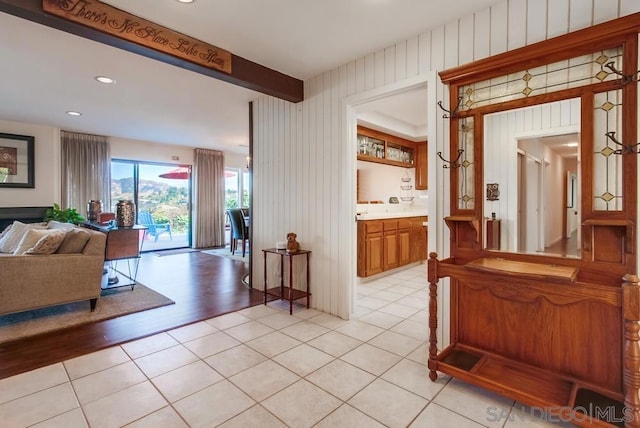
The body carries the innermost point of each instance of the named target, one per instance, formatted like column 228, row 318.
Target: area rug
column 113, row 303
column 224, row 252
column 161, row 253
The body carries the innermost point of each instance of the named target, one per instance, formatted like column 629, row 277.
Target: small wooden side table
column 289, row 293
column 123, row 243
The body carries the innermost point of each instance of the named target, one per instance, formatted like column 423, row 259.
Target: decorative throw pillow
column 5, row 231
column 11, row 239
column 48, row 244
column 74, row 241
column 40, row 241
column 29, row 239
column 54, row 224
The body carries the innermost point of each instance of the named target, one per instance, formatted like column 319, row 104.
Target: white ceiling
column 565, row 145
column 46, row 72
column 403, row 114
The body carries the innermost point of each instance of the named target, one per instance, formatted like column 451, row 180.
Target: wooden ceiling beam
column 245, row 73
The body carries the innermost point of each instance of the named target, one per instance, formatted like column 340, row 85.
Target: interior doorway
column 549, row 167
column 529, row 203
column 358, row 110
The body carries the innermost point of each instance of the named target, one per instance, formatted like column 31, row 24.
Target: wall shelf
column 379, row 147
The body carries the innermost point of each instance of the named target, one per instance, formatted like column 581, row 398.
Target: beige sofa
column 33, row 281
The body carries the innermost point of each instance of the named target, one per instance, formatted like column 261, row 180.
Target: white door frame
column 349, row 136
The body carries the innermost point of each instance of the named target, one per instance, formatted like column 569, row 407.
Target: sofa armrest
column 96, row 244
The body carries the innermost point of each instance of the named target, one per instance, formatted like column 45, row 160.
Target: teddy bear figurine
column 292, row 245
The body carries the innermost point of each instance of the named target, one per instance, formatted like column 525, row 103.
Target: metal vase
column 125, row 213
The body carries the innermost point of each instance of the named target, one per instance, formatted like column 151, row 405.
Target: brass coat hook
column 625, row 79
column 451, row 164
column 625, row 149
column 449, row 113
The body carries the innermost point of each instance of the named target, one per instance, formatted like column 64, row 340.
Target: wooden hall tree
column 554, row 332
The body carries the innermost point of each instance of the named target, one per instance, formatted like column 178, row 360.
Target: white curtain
column 208, row 178
column 86, row 170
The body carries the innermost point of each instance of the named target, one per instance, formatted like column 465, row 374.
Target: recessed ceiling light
column 74, row 113
column 572, row 144
column 105, row 79
column 185, row 1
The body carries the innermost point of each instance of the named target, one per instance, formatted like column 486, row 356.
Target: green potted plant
column 67, row 215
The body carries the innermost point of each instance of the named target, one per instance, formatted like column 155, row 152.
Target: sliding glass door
column 162, row 194
column 237, row 192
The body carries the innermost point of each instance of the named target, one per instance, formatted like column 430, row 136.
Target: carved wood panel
column 531, row 322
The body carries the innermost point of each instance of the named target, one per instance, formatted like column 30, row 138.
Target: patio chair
column 153, row 229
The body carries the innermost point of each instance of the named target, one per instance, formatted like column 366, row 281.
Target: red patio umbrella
column 180, row 173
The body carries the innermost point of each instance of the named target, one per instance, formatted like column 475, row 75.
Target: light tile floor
column 261, row 367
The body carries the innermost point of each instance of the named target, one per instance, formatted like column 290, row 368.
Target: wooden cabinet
column 533, row 330
column 404, row 242
column 550, row 331
column 374, row 254
column 376, row 146
column 390, row 249
column 370, row 248
column 418, row 239
column 388, row 244
column 421, row 166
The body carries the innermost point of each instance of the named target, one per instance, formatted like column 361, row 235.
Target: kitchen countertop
column 386, row 215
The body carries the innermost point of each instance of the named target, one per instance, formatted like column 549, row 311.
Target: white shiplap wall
column 304, row 178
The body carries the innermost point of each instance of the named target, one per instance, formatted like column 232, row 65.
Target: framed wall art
column 16, row 161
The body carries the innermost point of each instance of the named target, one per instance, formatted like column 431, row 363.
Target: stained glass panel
column 466, row 169
column 572, row 73
column 607, row 162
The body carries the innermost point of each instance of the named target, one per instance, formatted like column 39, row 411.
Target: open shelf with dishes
column 376, row 146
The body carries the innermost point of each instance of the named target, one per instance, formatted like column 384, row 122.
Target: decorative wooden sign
column 119, row 23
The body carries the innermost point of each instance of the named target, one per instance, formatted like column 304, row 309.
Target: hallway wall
column 304, row 168
column 506, row 133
